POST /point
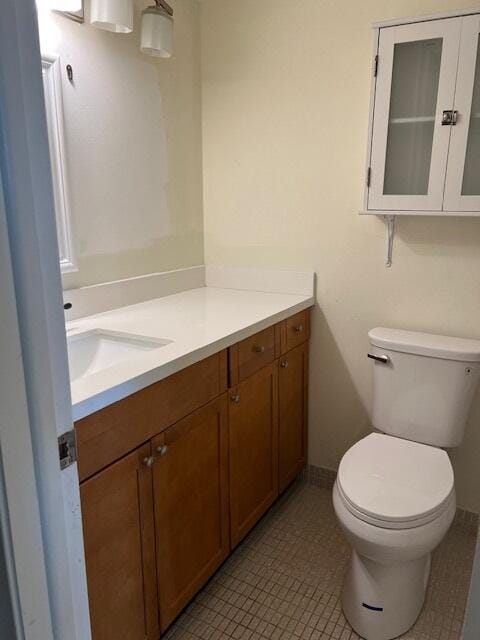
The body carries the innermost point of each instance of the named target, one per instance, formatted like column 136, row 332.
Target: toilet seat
column 395, row 483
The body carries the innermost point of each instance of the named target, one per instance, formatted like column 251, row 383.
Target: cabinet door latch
column 369, row 176
column 67, row 449
column 375, row 67
column 449, row 118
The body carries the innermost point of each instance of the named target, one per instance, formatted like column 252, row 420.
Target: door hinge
column 67, row 449
column 369, row 176
column 375, row 67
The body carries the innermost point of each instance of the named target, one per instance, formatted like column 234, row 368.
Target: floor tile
column 284, row 581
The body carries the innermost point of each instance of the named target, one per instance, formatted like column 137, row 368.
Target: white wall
column 133, row 134
column 285, row 108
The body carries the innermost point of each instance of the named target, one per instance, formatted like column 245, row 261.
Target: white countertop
column 200, row 322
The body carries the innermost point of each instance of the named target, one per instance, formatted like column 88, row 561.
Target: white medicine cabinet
column 424, row 135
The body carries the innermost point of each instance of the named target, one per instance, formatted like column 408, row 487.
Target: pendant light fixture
column 157, row 30
column 112, row 15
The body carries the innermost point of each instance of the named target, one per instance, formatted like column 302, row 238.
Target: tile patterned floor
column 284, row 581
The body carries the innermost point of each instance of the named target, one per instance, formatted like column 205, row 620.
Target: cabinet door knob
column 259, row 348
column 284, row 364
column 298, row 328
column 162, row 450
column 235, row 398
column 149, row 462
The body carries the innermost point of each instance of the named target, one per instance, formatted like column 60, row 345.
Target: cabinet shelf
column 412, row 120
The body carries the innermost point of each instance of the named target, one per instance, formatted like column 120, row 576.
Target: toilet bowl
column 394, row 500
column 394, row 496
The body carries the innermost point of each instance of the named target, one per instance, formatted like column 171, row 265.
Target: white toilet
column 394, row 495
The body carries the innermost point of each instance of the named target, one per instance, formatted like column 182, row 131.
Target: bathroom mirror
column 56, row 140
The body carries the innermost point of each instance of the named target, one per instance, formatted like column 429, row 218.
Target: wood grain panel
column 253, row 450
column 107, row 435
column 251, row 354
column 118, row 530
column 292, row 414
column 295, row 330
column 191, row 505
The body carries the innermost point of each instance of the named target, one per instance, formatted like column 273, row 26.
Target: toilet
column 394, row 496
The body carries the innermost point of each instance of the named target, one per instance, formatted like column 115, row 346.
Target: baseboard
column 325, row 478
column 319, row 476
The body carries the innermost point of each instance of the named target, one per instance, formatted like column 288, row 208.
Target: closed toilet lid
column 395, row 480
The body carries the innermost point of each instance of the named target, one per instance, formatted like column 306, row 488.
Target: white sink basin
column 97, row 349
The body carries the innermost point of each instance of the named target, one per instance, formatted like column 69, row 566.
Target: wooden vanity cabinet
column 190, row 486
column 175, row 475
column 253, row 449
column 292, row 414
column 118, row 531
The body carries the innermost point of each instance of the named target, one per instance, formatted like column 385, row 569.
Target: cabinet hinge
column 67, row 449
column 375, row 67
column 369, row 176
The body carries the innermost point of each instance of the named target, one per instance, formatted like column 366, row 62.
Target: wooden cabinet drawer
column 295, row 330
column 108, row 434
column 251, row 355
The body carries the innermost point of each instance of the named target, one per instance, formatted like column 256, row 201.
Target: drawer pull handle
column 259, row 348
column 298, row 328
column 162, row 451
column 149, row 462
column 235, row 399
column 284, row 364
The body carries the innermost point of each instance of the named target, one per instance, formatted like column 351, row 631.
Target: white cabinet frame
column 467, row 62
column 447, row 140
column 449, row 32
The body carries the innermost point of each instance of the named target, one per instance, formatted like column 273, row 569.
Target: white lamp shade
column 157, row 33
column 72, row 6
column 112, row 15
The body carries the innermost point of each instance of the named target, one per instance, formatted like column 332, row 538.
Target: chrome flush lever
column 382, row 359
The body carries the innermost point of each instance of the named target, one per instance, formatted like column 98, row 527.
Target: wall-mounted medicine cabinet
column 424, row 133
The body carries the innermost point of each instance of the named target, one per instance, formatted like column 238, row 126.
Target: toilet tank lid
column 426, row 344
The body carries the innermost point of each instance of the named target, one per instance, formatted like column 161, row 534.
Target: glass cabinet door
column 462, row 188
column 417, row 66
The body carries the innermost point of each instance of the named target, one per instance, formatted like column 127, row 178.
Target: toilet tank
column 423, row 384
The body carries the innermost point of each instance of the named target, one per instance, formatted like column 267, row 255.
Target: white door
column 45, row 501
column 462, row 189
column 417, row 67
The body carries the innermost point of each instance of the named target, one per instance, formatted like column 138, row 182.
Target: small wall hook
column 69, row 72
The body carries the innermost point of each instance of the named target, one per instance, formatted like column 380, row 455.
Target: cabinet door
column 462, row 190
column 292, row 419
column 190, row 479
column 253, row 440
column 117, row 511
column 417, row 66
